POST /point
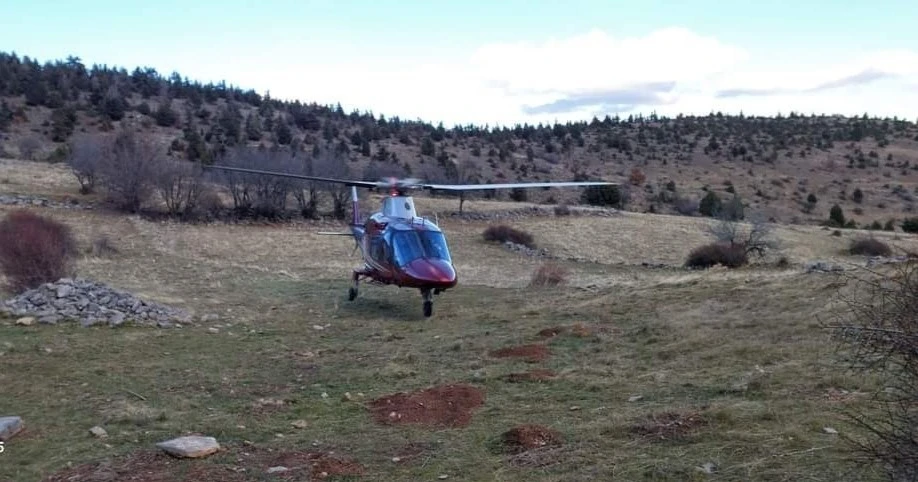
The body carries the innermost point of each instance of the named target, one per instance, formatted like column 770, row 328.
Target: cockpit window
column 411, row 245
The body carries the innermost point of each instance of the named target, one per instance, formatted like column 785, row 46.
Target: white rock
column 98, row 432
column 635, row 398
column 9, row 426
column 830, row 430
column 278, row 469
column 192, row 446
column 26, row 321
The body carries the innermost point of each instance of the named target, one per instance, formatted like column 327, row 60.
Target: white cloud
column 670, row 70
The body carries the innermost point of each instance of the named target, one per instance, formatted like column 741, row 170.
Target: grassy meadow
column 654, row 373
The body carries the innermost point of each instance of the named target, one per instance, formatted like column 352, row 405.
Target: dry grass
column 742, row 349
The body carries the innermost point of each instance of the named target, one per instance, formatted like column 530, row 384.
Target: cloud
column 671, row 70
column 613, row 100
column 861, row 78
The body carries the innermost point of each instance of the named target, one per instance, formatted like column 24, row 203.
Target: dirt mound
column 669, row 425
column 527, row 437
column 319, row 464
column 551, row 332
column 539, row 375
column 442, row 406
column 531, row 353
column 146, row 466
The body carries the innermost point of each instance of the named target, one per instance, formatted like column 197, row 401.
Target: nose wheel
column 428, row 302
column 352, row 291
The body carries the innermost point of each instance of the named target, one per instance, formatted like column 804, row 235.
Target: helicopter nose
column 434, row 271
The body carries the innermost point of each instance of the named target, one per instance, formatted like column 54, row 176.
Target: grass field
column 655, row 374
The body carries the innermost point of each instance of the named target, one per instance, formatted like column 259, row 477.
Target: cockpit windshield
column 411, row 245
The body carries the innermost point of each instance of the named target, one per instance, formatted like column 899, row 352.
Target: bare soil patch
column 669, row 425
column 320, row 465
column 441, row 406
column 146, row 466
column 538, row 375
column 531, row 353
column 528, row 437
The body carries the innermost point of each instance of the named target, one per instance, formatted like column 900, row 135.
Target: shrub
column 504, row 233
column 549, row 274
column 562, row 210
column 34, row 250
column 877, row 333
column 910, row 225
column 869, row 247
column 725, row 254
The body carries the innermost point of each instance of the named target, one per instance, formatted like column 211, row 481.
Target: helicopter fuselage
column 400, row 248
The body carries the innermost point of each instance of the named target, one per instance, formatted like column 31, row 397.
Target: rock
column 830, row 430
column 300, row 424
column 9, row 426
column 26, row 321
column 277, row 470
column 192, row 446
column 635, row 398
column 98, row 432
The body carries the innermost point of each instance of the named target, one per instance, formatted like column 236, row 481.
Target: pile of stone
column 878, row 260
column 23, row 200
column 526, row 212
column 522, row 248
column 89, row 303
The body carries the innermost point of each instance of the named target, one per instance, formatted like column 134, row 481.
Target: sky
column 506, row 62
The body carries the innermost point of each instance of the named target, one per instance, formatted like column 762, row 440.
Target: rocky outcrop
column 90, row 303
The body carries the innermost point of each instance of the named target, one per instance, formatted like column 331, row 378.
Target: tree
column 857, row 196
column 836, row 216
column 179, row 184
column 755, row 237
column 710, row 205
column 613, row 195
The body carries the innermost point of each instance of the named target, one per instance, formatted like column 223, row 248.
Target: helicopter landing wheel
column 351, row 293
column 428, row 302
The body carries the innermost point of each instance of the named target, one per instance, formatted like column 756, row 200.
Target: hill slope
column 790, row 168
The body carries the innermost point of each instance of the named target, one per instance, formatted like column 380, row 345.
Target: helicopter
column 399, row 247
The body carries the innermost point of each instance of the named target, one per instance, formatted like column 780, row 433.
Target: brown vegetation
column 504, row 233
column 35, row 249
column 724, row 254
column 549, row 274
column 869, row 247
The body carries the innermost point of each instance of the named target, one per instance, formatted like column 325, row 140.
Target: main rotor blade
column 473, row 187
column 346, row 182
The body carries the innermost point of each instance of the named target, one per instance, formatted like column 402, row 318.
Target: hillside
column 791, row 168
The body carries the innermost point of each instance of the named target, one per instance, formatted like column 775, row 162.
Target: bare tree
column 180, row 185
column 260, row 194
column 86, row 156
column 332, row 164
column 755, row 237
column 129, row 168
column 28, row 146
